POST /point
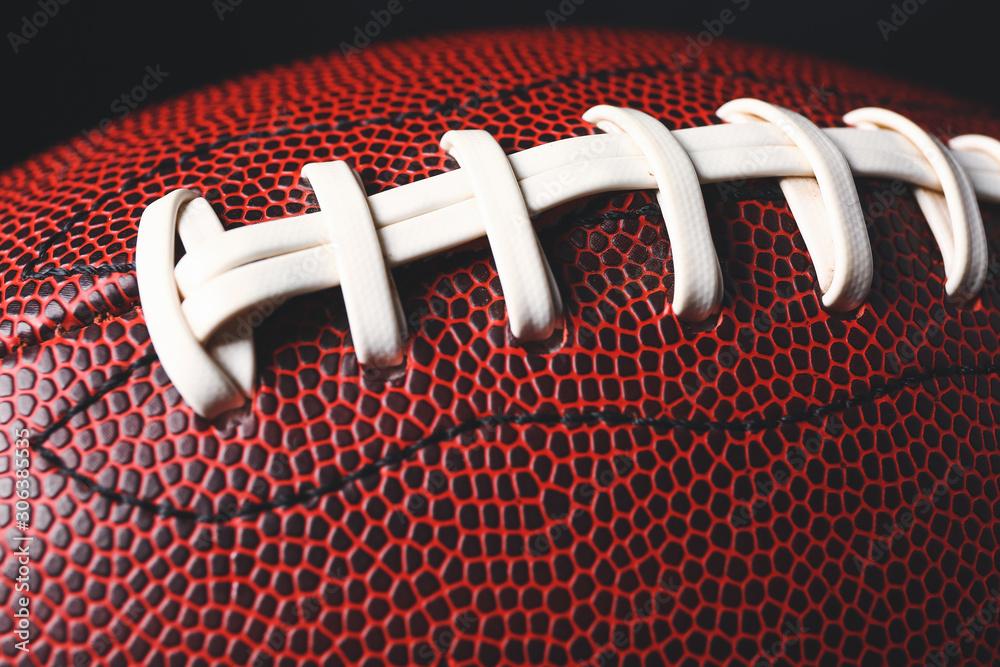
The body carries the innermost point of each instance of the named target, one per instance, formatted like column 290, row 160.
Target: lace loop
column 373, row 308
column 231, row 350
column 826, row 208
column 952, row 214
column 195, row 373
column 697, row 276
column 520, row 262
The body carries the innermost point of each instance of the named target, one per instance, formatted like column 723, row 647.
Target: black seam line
column 168, row 165
column 69, row 333
column 99, row 270
column 569, row 420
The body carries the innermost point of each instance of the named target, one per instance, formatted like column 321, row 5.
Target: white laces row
column 200, row 313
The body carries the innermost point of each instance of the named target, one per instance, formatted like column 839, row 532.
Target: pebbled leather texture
column 768, row 486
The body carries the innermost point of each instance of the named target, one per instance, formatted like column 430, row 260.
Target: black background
column 64, row 79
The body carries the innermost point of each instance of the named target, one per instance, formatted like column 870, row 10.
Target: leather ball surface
column 756, row 498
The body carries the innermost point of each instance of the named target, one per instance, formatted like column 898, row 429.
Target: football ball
column 510, row 347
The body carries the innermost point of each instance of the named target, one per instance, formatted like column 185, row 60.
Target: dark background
column 64, row 79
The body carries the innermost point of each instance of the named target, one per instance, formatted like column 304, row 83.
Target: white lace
column 200, row 313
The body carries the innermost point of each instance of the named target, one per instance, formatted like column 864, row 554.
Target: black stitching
column 114, row 381
column 168, row 165
column 569, row 420
column 102, row 270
